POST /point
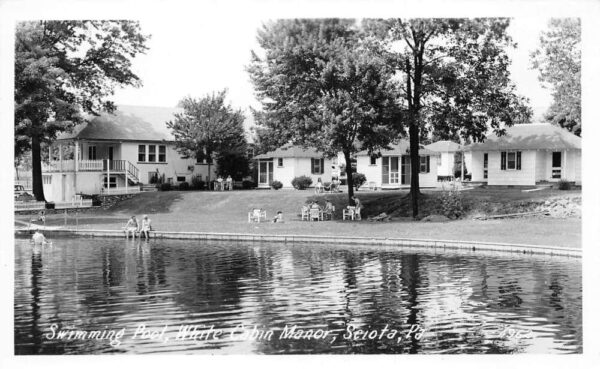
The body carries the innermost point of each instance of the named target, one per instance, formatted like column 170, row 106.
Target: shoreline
column 342, row 240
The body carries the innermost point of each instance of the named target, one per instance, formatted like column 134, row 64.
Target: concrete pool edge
column 378, row 241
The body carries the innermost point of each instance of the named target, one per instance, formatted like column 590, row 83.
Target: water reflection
column 461, row 302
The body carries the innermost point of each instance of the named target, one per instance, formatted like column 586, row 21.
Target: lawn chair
column 305, row 213
column 348, row 213
column 372, row 186
column 316, row 214
column 256, row 215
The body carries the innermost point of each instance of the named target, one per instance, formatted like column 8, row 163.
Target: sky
column 198, row 55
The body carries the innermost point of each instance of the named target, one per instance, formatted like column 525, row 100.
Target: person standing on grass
column 146, row 228
column 357, row 205
column 229, row 181
column 220, row 183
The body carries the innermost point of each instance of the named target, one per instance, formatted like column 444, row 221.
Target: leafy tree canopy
column 322, row 84
column 558, row 60
column 64, row 70
column 208, row 126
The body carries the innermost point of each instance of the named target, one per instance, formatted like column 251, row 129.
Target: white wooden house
column 288, row 162
column 115, row 153
column 390, row 169
column 526, row 155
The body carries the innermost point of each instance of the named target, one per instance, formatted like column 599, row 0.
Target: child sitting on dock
column 131, row 227
column 146, row 228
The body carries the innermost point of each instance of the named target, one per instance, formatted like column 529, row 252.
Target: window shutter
column 322, row 166
column 503, row 160
column 518, row 160
column 312, row 165
column 427, row 163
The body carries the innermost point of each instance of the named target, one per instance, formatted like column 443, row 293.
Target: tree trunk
column 208, row 178
column 36, row 169
column 349, row 178
column 414, row 168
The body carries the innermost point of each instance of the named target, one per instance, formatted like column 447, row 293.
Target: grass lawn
column 227, row 212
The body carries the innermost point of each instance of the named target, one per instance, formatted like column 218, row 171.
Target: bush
column 302, row 182
column 165, row 186
column 564, row 185
column 184, row 186
column 452, row 204
column 358, row 179
column 246, row 184
column 197, row 183
column 276, row 185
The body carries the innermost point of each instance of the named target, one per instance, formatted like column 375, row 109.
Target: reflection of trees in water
column 35, row 333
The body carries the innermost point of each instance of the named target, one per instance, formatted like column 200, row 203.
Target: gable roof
column 443, row 146
column 533, row 136
column 401, row 148
column 127, row 123
column 291, row 151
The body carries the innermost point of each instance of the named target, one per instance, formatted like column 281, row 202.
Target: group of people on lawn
column 132, row 227
column 224, row 184
column 334, row 186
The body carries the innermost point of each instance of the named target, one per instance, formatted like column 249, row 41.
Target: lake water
column 85, row 296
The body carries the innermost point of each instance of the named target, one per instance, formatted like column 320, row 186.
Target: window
column 151, row 153
column 162, row 153
column 316, row 166
column 556, row 164
column 424, row 164
column 47, row 179
column 373, row 160
column 141, row 152
column 180, row 179
column 485, row 165
column 91, row 152
column 280, row 162
column 510, row 160
column 111, row 181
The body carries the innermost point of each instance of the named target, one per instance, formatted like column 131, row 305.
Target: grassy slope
column 227, row 212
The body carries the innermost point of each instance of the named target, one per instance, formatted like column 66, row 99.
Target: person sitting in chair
column 358, row 206
column 278, row 218
column 319, row 186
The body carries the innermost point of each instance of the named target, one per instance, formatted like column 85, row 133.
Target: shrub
column 276, row 185
column 197, row 183
column 564, row 185
column 358, row 180
column 246, row 184
column 165, row 186
column 452, row 204
column 302, row 182
column 184, row 186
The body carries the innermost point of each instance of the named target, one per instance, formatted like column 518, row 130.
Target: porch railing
column 30, row 205
column 90, row 165
column 117, row 166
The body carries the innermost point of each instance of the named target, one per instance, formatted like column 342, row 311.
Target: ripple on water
column 463, row 302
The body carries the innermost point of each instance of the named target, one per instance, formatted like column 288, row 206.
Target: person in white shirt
column 146, row 227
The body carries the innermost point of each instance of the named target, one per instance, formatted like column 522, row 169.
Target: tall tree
column 322, row 85
column 558, row 60
column 208, row 127
column 64, row 70
column 456, row 79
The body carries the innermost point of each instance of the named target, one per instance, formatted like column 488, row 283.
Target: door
column 557, row 165
column 265, row 172
column 405, row 174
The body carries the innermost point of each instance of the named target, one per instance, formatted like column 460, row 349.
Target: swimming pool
column 85, row 296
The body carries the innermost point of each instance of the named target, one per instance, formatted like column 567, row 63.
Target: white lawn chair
column 316, row 214
column 305, row 213
column 256, row 215
column 348, row 213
